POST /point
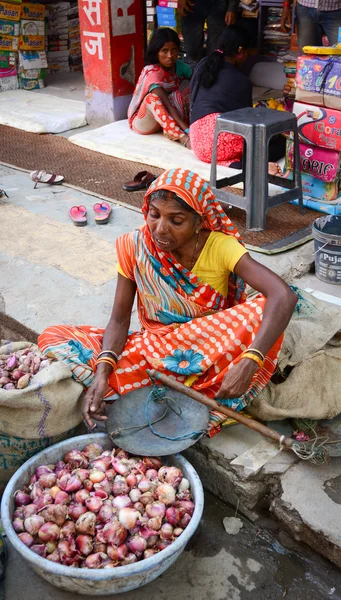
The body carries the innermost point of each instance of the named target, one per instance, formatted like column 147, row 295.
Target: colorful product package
column 318, row 126
column 33, row 60
column 32, row 42
column 320, row 190
column 10, row 72
column 318, row 80
column 7, row 84
column 33, row 73
column 31, row 84
column 7, row 59
column 9, row 43
column 321, row 163
column 33, row 12
column 9, row 28
column 10, row 12
column 29, row 27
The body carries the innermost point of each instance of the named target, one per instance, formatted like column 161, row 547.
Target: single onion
column 84, row 544
column 60, row 465
column 151, row 474
column 183, row 485
column 19, row 512
column 177, row 531
column 21, row 498
column 54, row 557
column 43, row 500
column 93, row 561
column 162, row 544
column 82, row 474
column 47, row 480
column 105, row 513
column 42, row 470
column 137, row 545
column 100, row 491
column 122, row 466
column 39, row 549
column 93, row 504
column 62, row 498
column 144, row 485
column 131, row 480
column 33, row 524
column 81, row 496
column 18, row 525
column 165, row 493
column 140, row 467
column 101, row 547
column 92, row 451
column 86, row 523
column 148, row 533
column 36, row 491
column 88, row 485
column 73, row 484
column 173, row 476
column 54, row 491
column 166, row 531
column 146, row 498
column 100, row 465
column 68, row 529
column 173, row 515
column 117, row 552
column 121, row 502
column 51, row 547
column 120, row 487
column 96, row 476
column 67, row 551
column 56, row 513
column 153, row 462
column 29, row 510
column 76, row 459
column 26, row 539
column 48, row 532
column 76, row 510
column 62, row 481
column 104, row 486
column 128, row 517
column 135, row 494
column 139, row 506
column 154, row 523
column 129, row 559
column 156, row 509
column 185, row 506
column 114, row 533
column 185, row 520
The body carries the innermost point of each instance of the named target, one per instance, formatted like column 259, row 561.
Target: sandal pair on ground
column 78, row 214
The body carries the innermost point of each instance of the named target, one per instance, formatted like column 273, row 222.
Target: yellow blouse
column 217, row 259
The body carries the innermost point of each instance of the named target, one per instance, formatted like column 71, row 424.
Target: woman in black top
column 217, row 87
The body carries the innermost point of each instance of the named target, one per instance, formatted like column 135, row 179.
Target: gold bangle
column 261, row 355
column 107, row 361
column 255, row 358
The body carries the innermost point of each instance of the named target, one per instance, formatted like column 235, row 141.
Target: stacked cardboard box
column 74, row 37
column 63, row 31
column 9, row 45
column 32, row 43
column 167, row 15
column 151, row 18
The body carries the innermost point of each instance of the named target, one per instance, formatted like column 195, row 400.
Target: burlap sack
column 312, row 345
column 49, row 406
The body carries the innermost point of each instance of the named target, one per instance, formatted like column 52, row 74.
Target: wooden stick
column 213, row 405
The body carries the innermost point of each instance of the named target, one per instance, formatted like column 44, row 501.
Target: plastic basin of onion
column 101, row 582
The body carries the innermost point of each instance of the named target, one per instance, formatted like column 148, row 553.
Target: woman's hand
column 230, row 18
column 93, row 405
column 237, row 381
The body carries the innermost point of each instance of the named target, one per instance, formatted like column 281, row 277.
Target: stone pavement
column 52, row 272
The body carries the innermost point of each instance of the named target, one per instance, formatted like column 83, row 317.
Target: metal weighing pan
column 179, row 417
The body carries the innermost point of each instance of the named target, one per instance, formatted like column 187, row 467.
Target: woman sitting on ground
column 187, row 266
column 217, row 87
column 161, row 96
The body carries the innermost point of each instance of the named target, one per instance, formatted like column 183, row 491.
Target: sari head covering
column 196, row 192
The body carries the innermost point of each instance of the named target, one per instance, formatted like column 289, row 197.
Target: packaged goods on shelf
column 31, row 84
column 168, row 3
column 28, row 27
column 274, row 39
column 7, row 59
column 7, row 84
column 10, row 12
column 321, row 163
column 64, row 44
column 318, row 80
column 319, row 126
column 9, row 28
column 32, row 12
column 32, row 42
column 9, row 43
column 320, row 190
column 32, row 60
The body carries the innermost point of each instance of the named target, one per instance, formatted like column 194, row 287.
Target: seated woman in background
column 217, row 87
column 161, row 96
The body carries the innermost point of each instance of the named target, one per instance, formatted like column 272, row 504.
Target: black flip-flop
column 141, row 181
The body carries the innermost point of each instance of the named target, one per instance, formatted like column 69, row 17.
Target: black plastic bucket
column 327, row 240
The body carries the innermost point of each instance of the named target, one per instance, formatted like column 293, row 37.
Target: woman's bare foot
column 274, row 169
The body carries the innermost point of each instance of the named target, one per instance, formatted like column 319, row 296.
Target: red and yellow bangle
column 253, row 357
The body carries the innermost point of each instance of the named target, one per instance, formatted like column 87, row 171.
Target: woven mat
column 104, row 175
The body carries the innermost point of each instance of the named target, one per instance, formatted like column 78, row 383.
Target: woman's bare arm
column 115, row 337
column 279, row 306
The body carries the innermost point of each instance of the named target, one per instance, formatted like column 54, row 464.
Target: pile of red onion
column 17, row 369
column 101, row 509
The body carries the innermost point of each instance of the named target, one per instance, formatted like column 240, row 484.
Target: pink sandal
column 78, row 215
column 102, row 212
